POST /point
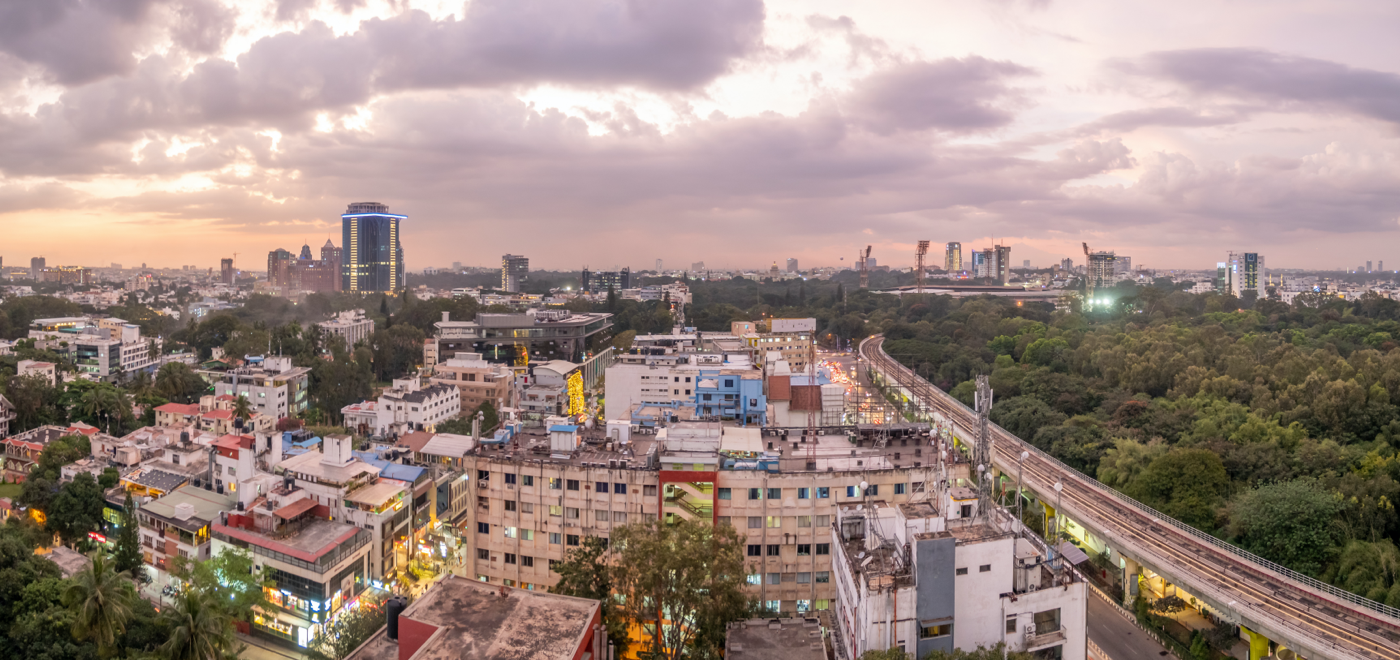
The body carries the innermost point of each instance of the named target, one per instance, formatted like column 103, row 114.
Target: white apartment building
column 350, row 326
column 937, row 575
column 272, row 385
column 404, row 408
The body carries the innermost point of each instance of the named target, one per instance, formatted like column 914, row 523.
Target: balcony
column 1036, row 640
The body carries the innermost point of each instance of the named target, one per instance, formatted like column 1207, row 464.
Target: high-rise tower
column 952, row 258
column 515, row 270
column 372, row 254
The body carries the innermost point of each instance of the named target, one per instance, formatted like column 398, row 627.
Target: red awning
column 295, row 508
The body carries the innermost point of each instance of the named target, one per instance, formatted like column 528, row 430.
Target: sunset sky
column 738, row 132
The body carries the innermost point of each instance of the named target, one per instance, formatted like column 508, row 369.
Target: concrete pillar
column 1258, row 644
column 1131, row 571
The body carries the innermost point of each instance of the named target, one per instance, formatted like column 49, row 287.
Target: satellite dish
column 863, row 487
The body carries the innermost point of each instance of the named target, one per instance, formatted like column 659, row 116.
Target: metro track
column 1323, row 622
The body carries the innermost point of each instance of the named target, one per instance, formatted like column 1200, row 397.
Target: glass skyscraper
column 372, row 259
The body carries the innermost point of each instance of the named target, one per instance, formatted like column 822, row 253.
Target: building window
column 526, row 507
column 1010, row 624
column 940, row 630
column 509, row 532
column 804, row 578
column 984, row 568
column 572, row 540
column 803, row 493
column 619, row 489
column 755, row 550
column 527, row 480
column 774, row 549
column 774, row 606
column 554, row 483
column 556, row 510
column 823, row 604
column 483, row 475
column 754, row 579
column 823, row 521
column 728, row 382
column 775, row 522
column 775, row 578
column 509, row 477
column 823, row 548
column 804, row 549
column 852, row 491
column 823, row 577
column 553, row 563
column 900, row 488
column 483, row 528
column 528, row 562
column 510, row 558
column 649, row 491
column 510, row 505
column 724, row 493
column 602, row 515
column 620, row 517
column 873, row 490
column 804, row 521
column 602, row 488
column 961, row 571
column 553, row 539
column 918, row 487
column 755, row 494
column 570, row 513
column 775, row 493
column 571, row 484
column 755, row 522
column 527, row 534
column 823, row 492
column 483, row 554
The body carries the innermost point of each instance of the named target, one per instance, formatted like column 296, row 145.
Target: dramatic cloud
column 956, row 95
column 75, row 41
column 722, row 130
column 1283, row 82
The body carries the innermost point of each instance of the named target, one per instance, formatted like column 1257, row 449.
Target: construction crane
column 919, row 266
column 864, row 271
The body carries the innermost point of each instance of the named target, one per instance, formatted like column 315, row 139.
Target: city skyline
column 199, row 129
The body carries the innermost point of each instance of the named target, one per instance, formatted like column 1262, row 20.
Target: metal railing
column 1245, row 555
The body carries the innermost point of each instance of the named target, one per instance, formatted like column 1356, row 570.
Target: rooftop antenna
column 982, row 456
column 864, row 270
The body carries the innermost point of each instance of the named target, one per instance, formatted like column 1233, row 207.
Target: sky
column 606, row 133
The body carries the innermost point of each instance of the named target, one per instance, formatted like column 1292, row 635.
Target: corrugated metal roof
column 1072, row 553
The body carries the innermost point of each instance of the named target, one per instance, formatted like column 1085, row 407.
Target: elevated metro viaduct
column 1272, row 603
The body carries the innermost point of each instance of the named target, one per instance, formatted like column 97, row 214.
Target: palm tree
column 199, row 630
column 175, row 381
column 101, row 599
column 242, row 409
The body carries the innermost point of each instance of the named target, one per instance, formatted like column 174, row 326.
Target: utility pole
column 983, row 454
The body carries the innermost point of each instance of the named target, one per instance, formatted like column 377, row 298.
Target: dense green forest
column 1273, row 427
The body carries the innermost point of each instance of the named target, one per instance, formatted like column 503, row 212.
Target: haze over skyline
column 737, row 132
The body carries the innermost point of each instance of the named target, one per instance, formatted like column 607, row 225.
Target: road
column 1316, row 622
column 1120, row 639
